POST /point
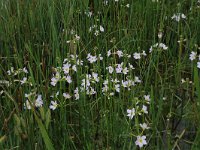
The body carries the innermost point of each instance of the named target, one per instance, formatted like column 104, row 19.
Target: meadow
column 99, row 75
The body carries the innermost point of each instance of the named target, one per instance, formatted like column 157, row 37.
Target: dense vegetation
column 107, row 74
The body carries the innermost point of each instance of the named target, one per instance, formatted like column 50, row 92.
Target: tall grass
column 38, row 35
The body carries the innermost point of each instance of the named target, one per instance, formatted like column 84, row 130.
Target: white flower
column 9, row 72
column 130, row 66
column 100, row 57
column 66, row 68
column 39, row 101
column 53, row 105
column 144, row 53
column 68, row 79
column 101, row 29
column 124, row 83
column 66, row 95
column 96, row 32
column 95, row 76
column 117, row 88
column 131, row 113
column 144, row 126
column 77, row 37
column 119, row 53
column 74, row 68
column 147, row 98
column 198, row 65
column 76, row 94
column 105, row 82
column 137, row 80
column 160, row 35
column 163, row 46
column 141, row 141
column 137, row 55
column 119, row 68
column 23, row 80
column 79, row 62
column 109, row 53
column 193, row 55
column 125, row 70
column 127, row 5
column 105, row 89
column 54, row 81
column 27, row 105
column 110, row 69
column 25, row 70
column 178, row 17
column 91, row 58
column 144, row 109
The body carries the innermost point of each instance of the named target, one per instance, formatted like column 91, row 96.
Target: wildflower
column 117, row 88
column 141, row 141
column 160, row 34
column 143, row 53
column 68, row 79
column 27, row 105
column 9, row 72
column 23, row 80
column 198, row 65
column 124, row 83
column 193, row 55
column 101, row 29
column 25, row 70
column 77, row 37
column 147, row 98
column 76, row 94
column 74, row 68
column 110, row 69
column 119, row 53
column 66, row 96
column 39, row 101
column 54, row 81
column 91, row 58
column 96, row 32
column 144, row 109
column 178, row 17
column 125, row 70
column 131, row 113
column 137, row 80
column 119, row 68
column 137, row 55
column 53, row 105
column 144, row 126
column 66, row 68
column 130, row 66
column 109, row 53
column 100, row 57
column 127, row 5
column 95, row 76
column 105, row 88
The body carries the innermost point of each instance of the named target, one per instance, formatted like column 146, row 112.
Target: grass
column 39, row 35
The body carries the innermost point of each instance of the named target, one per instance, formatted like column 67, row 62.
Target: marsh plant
column 115, row 74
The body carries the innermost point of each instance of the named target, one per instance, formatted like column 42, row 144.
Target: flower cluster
column 177, row 17
column 97, row 29
column 140, row 110
column 32, row 101
column 193, row 56
column 158, row 46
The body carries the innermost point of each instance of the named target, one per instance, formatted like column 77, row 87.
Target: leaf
column 43, row 131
